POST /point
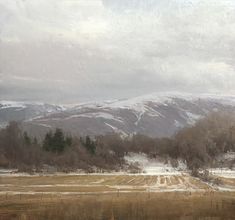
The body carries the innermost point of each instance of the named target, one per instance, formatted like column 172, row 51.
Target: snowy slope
column 23, row 111
column 156, row 115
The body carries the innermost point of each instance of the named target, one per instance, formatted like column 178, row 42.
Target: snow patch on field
column 7, row 171
column 224, row 172
column 154, row 166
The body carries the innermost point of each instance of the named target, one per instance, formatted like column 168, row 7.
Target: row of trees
column 57, row 141
column 198, row 146
column 19, row 150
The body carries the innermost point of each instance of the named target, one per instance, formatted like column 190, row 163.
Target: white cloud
column 109, row 48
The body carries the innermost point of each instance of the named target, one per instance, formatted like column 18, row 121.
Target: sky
column 66, row 51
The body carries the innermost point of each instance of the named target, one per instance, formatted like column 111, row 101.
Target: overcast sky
column 79, row 50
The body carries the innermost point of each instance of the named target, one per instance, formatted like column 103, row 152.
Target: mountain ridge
column 155, row 115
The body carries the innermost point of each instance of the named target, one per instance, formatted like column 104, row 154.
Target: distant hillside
column 24, row 111
column 155, row 115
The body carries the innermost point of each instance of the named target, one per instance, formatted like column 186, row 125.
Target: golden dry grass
column 124, row 197
column 131, row 206
column 97, row 183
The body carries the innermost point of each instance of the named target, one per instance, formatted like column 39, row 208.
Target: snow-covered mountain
column 156, row 115
column 24, row 111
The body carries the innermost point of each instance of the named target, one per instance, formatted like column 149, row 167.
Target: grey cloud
column 81, row 50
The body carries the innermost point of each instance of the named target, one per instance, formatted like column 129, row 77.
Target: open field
column 80, row 184
column 114, row 197
column 109, row 183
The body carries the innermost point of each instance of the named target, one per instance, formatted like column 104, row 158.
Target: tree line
column 198, row 146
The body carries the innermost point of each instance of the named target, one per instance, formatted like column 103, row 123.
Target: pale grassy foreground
column 124, row 197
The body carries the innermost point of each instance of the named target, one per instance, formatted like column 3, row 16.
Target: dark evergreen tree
column 68, row 141
column 47, row 143
column 88, row 142
column 58, row 141
column 90, row 145
column 27, row 139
